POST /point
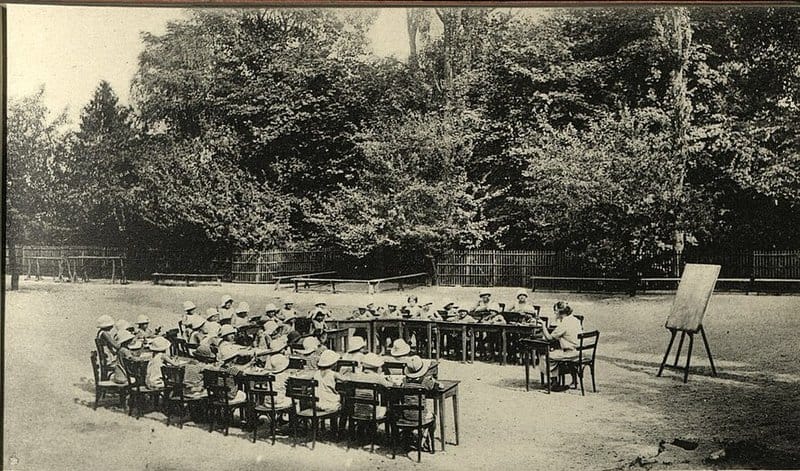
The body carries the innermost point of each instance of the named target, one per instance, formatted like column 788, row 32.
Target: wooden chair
column 261, row 401
column 304, row 407
column 174, row 393
column 182, row 347
column 346, row 364
column 536, row 348
column 105, row 386
column 106, row 368
column 409, row 398
column 297, row 363
column 220, row 406
column 579, row 317
column 356, row 396
column 136, row 373
column 587, row 349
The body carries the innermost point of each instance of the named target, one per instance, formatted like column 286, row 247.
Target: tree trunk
column 412, row 24
column 12, row 264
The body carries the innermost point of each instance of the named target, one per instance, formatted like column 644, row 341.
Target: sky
column 69, row 50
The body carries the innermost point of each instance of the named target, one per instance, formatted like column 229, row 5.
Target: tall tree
column 36, row 207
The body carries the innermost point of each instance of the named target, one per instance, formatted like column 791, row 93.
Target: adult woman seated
column 566, row 332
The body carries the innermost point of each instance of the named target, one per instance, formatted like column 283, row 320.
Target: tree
column 36, row 209
column 103, row 168
column 413, row 194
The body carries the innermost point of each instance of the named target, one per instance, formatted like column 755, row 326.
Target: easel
column 684, row 333
column 686, row 316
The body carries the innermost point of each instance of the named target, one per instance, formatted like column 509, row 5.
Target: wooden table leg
column 527, row 370
column 472, row 347
column 463, row 344
column 442, row 421
column 504, row 352
column 455, row 415
column 429, row 340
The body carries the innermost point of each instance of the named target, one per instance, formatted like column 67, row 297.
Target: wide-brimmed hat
column 159, row 344
column 391, row 305
column 414, row 297
column 355, row 343
column 320, row 302
column 328, row 358
column 188, row 306
column 416, row 367
column 485, row 293
column 228, row 352
column 310, row 344
column 211, row 312
column 522, row 292
column 372, row 360
column 270, row 307
column 196, row 322
column 142, row 319
column 225, row 299
column 213, row 328
column 270, row 327
column 204, row 351
column 278, row 363
column 288, row 301
column 135, row 345
column 448, row 305
column 242, row 307
column 122, row 324
column 277, row 344
column 123, row 336
column 399, row 348
column 227, row 329
column 105, row 321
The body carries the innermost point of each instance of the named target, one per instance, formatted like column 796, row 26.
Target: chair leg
column 580, row 377
column 314, row 425
column 393, row 433
column 273, row 418
column 96, row 398
column 254, row 417
column 293, row 420
column 419, row 445
column 432, row 438
column 591, row 370
column 212, row 416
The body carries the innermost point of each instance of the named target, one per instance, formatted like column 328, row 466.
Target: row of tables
column 433, row 331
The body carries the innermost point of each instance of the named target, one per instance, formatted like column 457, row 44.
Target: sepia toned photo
column 420, row 237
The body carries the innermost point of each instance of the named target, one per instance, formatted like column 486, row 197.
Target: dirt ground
column 751, row 410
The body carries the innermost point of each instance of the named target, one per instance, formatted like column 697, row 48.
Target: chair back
column 537, row 309
column 346, row 364
column 95, row 368
column 297, row 363
column 101, row 347
column 588, row 344
column 303, row 392
column 579, row 317
column 135, row 372
column 260, row 390
column 409, row 397
column 173, row 379
column 361, row 398
column 394, row 367
column 546, row 321
column 303, row 326
column 181, row 347
column 216, row 384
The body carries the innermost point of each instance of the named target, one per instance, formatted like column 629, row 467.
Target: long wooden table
column 433, row 331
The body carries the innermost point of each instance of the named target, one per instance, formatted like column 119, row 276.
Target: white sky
column 70, row 50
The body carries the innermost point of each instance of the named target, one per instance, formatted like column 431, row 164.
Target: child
column 329, row 399
column 356, row 348
column 278, row 366
column 143, row 330
column 197, row 323
column 450, row 311
column 158, row 346
column 104, row 325
column 240, row 319
column 494, row 317
column 193, row 371
column 270, row 312
column 264, row 336
column 212, row 315
column 391, row 312
column 234, row 362
column 463, row 316
column 124, row 355
column 371, row 364
column 321, row 306
column 484, row 303
column 412, row 307
column 287, row 310
column 427, row 313
column 311, row 351
column 417, row 372
column 522, row 305
column 226, row 307
column 188, row 310
column 318, row 324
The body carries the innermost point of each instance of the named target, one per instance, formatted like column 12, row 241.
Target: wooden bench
column 280, row 279
column 187, row 277
column 372, row 284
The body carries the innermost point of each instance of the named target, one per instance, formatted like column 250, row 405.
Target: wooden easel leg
column 708, row 350
column 680, row 347
column 688, row 358
column 666, row 354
